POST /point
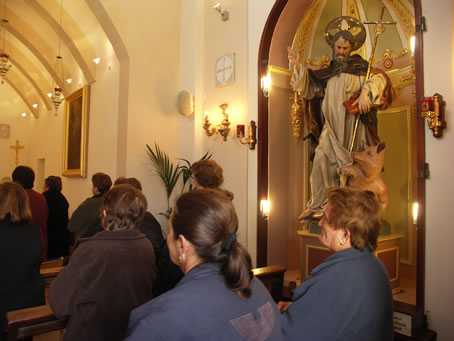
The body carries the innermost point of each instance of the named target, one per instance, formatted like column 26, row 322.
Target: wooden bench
column 39, row 320
column 48, row 274
column 50, row 269
column 32, row 321
column 272, row 278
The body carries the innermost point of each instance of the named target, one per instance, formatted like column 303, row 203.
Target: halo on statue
column 344, row 23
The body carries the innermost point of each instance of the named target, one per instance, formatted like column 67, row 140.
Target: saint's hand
column 363, row 102
column 294, row 56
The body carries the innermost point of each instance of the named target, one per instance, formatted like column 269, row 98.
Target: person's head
column 53, row 183
column 342, row 47
column 207, row 174
column 130, row 181
column 202, row 229
column 101, row 183
column 14, row 204
column 352, row 218
column 24, row 175
column 123, row 208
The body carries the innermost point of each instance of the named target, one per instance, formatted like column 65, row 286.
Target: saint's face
column 342, row 48
column 329, row 236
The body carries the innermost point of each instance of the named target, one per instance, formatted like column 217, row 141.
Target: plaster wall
column 150, row 34
column 46, row 136
column 221, row 37
column 439, row 78
column 18, row 128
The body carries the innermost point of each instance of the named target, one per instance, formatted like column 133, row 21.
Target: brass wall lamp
column 222, row 128
column 433, row 109
column 251, row 139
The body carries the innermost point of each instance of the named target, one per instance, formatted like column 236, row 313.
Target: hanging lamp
column 56, row 95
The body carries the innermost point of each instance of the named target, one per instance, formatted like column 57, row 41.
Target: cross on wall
column 17, row 147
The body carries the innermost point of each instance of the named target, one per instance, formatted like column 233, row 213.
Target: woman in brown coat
column 109, row 274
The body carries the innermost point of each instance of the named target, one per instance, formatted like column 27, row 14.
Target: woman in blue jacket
column 218, row 298
column 347, row 297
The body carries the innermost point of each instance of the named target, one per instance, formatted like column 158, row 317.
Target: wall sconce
column 224, row 14
column 415, row 213
column 433, row 109
column 265, row 83
column 222, row 128
column 251, row 140
column 265, row 209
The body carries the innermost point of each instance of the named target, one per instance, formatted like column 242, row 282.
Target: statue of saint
column 326, row 94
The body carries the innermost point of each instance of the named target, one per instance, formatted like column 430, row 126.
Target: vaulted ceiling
column 31, row 37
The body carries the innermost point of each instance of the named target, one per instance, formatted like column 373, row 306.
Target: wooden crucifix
column 17, row 147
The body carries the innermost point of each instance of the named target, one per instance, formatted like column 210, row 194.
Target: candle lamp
column 223, row 128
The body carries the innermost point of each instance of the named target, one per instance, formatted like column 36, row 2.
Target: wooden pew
column 40, row 320
column 50, row 269
column 272, row 278
column 32, row 321
column 48, row 274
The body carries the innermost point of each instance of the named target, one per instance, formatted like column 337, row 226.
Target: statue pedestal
column 314, row 253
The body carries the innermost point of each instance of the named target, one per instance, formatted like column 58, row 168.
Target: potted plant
column 170, row 173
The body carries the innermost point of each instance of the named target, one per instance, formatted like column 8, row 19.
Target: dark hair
column 130, row 181
column 102, row 182
column 346, row 35
column 14, row 204
column 53, row 183
column 357, row 211
column 124, row 208
column 24, row 175
column 207, row 173
column 207, row 218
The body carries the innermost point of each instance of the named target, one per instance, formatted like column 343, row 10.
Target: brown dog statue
column 365, row 172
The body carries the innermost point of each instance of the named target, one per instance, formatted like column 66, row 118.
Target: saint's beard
column 341, row 62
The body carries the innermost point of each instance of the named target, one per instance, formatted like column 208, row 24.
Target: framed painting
column 75, row 133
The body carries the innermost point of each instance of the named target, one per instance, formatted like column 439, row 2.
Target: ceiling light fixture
column 69, row 80
column 35, row 105
column 4, row 57
column 57, row 96
column 97, row 60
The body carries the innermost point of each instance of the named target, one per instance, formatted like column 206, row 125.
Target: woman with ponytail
column 218, row 298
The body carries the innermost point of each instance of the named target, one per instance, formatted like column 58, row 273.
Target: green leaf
column 186, row 170
column 170, row 173
column 166, row 170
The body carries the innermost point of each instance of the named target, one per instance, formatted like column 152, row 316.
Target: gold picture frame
column 75, row 133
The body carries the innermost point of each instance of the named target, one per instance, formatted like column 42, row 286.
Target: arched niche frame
column 273, row 45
